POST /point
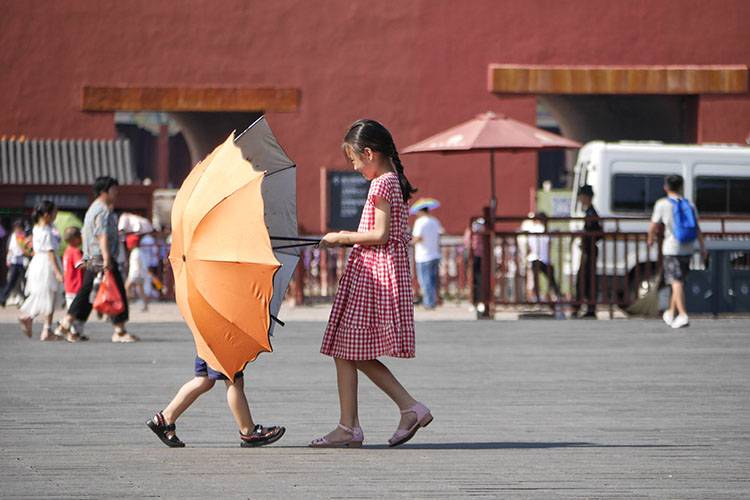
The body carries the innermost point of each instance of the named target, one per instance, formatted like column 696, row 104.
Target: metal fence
column 623, row 267
column 320, row 270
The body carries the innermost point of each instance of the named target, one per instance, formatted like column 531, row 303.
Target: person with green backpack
column 681, row 230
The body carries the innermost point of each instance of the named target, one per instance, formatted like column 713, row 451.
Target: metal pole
column 493, row 197
column 491, row 221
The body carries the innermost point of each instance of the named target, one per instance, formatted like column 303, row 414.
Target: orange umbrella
column 222, row 260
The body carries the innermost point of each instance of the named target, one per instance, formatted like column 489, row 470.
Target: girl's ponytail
column 406, row 188
column 371, row 134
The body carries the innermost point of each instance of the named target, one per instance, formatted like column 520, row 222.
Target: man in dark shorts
column 676, row 254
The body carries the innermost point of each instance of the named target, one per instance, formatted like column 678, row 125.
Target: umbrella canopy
column 488, row 132
column 132, row 223
column 260, row 147
column 422, row 203
column 222, row 259
column 491, row 132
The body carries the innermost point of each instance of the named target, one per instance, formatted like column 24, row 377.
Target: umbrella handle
column 277, row 320
column 307, row 244
column 287, row 238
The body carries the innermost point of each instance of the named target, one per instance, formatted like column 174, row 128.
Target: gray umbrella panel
column 260, row 147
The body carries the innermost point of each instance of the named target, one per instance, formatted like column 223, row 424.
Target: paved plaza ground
column 523, row 409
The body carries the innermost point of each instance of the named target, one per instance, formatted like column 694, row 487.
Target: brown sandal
column 159, row 426
column 261, row 436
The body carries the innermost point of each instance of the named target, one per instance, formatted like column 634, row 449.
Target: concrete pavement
column 523, row 409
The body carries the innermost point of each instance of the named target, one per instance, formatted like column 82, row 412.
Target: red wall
column 418, row 66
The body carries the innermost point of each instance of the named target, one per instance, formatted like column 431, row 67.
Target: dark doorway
column 665, row 118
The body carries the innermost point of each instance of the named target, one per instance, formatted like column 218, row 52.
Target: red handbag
column 108, row 299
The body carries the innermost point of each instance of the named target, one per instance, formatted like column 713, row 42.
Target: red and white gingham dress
column 373, row 312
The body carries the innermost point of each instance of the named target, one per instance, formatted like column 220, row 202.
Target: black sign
column 63, row 201
column 347, row 194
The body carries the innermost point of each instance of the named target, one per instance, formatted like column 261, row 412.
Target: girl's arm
column 377, row 236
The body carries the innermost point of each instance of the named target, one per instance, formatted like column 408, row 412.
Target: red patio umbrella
column 491, row 132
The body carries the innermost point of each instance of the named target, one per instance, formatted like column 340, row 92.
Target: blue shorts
column 203, row 370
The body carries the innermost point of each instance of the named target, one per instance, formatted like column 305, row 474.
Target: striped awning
column 65, row 161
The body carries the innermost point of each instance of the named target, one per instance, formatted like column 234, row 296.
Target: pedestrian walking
column 373, row 312
column 473, row 245
column 101, row 247
column 44, row 275
column 587, row 282
column 150, row 251
column 679, row 219
column 18, row 252
column 426, row 239
column 72, row 264
column 538, row 257
column 137, row 270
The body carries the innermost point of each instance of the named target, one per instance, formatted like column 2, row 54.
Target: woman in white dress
column 44, row 273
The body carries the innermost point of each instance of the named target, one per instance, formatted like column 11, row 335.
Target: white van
column 628, row 177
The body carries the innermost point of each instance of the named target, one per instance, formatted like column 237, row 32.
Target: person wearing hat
column 587, row 282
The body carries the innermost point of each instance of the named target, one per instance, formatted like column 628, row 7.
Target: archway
column 203, row 116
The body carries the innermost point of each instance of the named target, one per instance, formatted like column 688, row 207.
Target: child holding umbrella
column 373, row 312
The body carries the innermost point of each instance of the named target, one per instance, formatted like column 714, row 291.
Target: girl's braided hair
column 371, row 134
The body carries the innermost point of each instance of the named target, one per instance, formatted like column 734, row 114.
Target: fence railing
column 611, row 268
column 618, row 266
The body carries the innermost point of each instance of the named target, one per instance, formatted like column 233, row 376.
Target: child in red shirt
column 72, row 268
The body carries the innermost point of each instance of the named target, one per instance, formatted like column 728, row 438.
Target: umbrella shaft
column 287, row 238
column 311, row 243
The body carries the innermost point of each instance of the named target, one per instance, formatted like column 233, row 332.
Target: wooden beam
column 541, row 79
column 241, row 99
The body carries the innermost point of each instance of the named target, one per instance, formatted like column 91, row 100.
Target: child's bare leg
column 239, row 406
column 382, row 377
column 186, row 396
column 346, row 377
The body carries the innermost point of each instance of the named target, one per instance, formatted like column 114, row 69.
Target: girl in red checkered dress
column 373, row 312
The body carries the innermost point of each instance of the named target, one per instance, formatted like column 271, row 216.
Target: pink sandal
column 424, row 417
column 355, row 442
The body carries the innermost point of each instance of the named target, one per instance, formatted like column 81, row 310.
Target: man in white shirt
column 676, row 253
column 426, row 239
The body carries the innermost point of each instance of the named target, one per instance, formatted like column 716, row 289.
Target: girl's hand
column 59, row 276
column 329, row 240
